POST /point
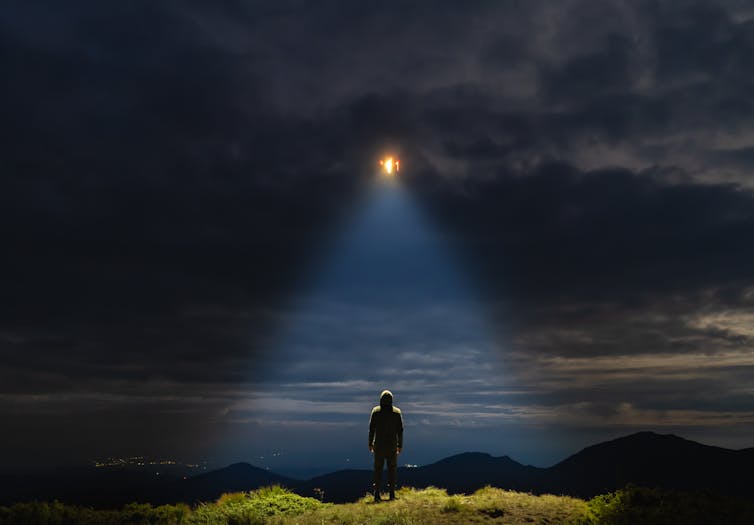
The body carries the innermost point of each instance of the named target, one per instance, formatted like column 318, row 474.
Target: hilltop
column 430, row 506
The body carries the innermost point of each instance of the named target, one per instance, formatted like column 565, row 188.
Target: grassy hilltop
column 430, row 506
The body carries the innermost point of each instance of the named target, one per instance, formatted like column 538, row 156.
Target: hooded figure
column 385, row 441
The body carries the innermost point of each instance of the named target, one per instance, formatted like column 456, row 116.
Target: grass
column 433, row 506
column 430, row 506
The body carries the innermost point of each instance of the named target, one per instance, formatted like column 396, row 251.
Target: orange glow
column 390, row 165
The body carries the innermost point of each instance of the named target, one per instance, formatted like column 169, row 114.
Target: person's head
column 386, row 398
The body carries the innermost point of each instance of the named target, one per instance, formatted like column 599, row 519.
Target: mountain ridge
column 643, row 458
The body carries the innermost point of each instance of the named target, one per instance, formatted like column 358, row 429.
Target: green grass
column 433, row 506
column 258, row 507
column 430, row 506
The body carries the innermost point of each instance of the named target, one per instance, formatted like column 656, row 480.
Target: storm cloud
column 172, row 172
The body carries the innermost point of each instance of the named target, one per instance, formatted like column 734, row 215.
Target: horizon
column 206, row 257
column 367, row 466
column 295, row 471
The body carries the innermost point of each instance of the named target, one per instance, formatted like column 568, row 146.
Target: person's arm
column 400, row 432
column 372, row 429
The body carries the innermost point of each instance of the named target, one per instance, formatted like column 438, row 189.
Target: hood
column 386, row 399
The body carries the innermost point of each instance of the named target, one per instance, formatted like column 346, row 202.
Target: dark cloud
column 170, row 173
column 558, row 230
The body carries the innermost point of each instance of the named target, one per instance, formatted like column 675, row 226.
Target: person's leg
column 392, row 471
column 378, row 461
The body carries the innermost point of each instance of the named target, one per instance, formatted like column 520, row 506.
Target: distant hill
column 645, row 459
column 471, row 471
column 654, row 460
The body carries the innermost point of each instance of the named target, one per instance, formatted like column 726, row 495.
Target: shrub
column 633, row 504
column 253, row 508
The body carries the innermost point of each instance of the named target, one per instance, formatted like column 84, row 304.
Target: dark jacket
column 386, row 428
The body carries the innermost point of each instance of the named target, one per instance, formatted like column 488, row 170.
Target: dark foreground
column 431, row 506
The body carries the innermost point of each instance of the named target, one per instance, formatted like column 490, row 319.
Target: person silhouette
column 385, row 441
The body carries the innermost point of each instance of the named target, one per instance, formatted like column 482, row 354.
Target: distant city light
column 141, row 461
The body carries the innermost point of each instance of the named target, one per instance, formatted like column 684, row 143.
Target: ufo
column 390, row 165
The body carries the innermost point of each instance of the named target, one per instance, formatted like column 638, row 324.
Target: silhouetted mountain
column 645, row 459
column 471, row 471
column 654, row 460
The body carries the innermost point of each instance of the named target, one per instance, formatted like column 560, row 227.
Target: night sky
column 201, row 259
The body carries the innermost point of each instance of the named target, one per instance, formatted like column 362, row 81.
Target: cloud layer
column 174, row 176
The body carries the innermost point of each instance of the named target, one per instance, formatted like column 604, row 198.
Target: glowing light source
column 390, row 165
